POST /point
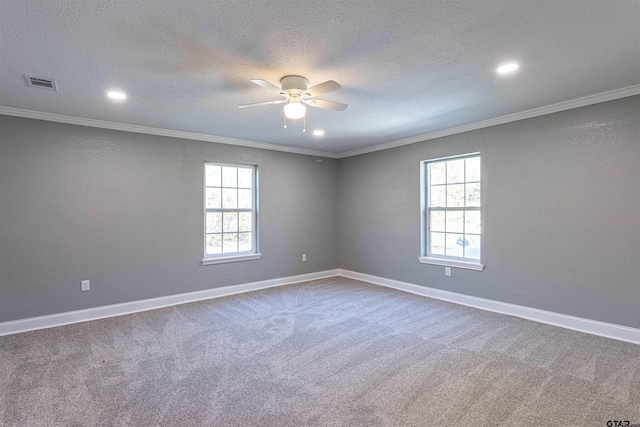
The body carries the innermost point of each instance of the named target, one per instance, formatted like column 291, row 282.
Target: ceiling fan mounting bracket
column 294, row 84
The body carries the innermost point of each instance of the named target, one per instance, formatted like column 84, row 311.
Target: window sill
column 452, row 263
column 231, row 258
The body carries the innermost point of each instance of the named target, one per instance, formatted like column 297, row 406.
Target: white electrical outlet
column 447, row 271
column 86, row 285
column 304, row 257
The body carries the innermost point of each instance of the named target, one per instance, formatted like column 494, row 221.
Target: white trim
column 42, row 322
column 609, row 330
column 535, row 112
column 451, row 263
column 231, row 258
column 81, row 121
column 252, row 253
column 425, row 216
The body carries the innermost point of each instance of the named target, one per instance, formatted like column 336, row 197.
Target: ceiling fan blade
column 325, row 87
column 329, row 105
column 256, row 104
column 269, row 86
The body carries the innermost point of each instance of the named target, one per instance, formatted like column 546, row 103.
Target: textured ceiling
column 406, row 68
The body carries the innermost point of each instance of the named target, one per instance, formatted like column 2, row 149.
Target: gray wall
column 561, row 213
column 125, row 211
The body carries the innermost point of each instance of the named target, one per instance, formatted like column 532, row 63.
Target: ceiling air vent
column 41, row 83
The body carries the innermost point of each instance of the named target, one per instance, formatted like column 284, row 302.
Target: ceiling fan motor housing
column 294, row 84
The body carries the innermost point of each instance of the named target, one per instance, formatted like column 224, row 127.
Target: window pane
column 214, row 222
column 472, row 222
column 213, row 176
column 229, row 198
column 213, row 198
column 436, row 240
column 230, row 221
column 228, row 189
column 437, row 173
column 473, row 249
column 455, row 221
column 214, row 244
column 473, row 194
column 244, row 221
column 437, row 221
column 438, row 197
column 473, row 169
column 455, row 195
column 244, row 242
column 453, row 186
column 229, row 176
column 245, row 178
column 454, row 245
column 244, row 199
column 455, row 171
column 229, row 243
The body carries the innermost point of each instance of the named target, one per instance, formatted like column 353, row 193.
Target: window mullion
column 229, row 210
column 457, row 208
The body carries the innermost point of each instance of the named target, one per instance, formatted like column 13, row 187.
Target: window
column 451, row 219
column 230, row 211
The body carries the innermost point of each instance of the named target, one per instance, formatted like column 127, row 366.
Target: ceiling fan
column 296, row 94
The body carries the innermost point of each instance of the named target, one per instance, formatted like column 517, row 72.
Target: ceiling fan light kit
column 294, row 90
column 294, row 109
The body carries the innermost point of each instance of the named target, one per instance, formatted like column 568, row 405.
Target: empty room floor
column 330, row 352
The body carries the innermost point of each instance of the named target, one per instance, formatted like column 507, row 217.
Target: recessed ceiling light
column 116, row 95
column 508, row 68
column 318, row 132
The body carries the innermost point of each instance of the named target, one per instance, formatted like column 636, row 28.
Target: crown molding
column 535, row 112
column 81, row 121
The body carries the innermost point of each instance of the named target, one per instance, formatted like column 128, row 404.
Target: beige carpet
column 333, row 352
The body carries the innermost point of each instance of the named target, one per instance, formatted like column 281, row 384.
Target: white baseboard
column 42, row 322
column 609, row 330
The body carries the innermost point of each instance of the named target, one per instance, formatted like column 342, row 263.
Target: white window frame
column 425, row 208
column 210, row 259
